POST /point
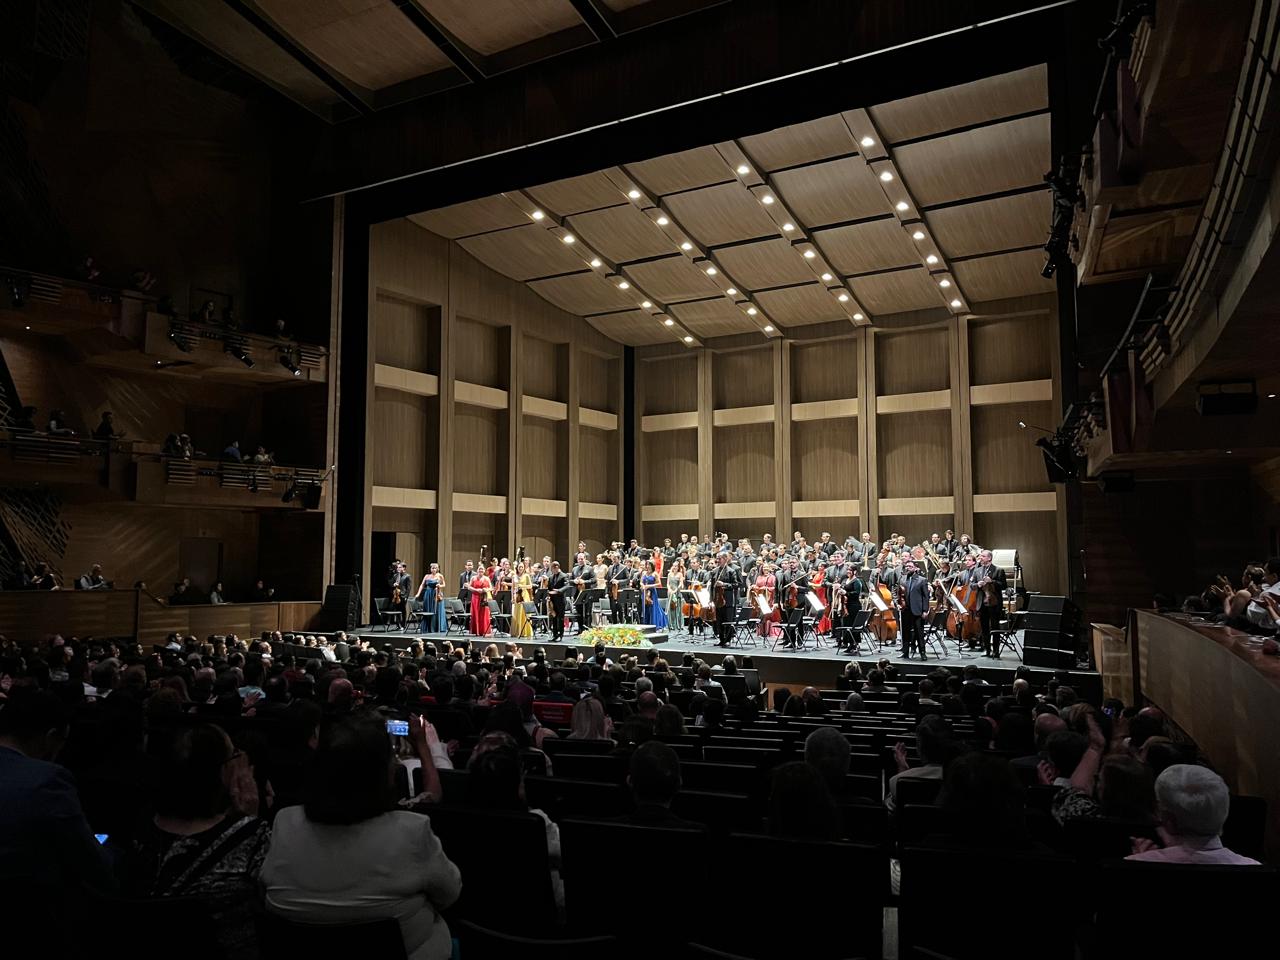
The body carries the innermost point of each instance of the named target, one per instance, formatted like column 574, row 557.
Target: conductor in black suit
column 914, row 609
column 557, row 583
column 725, row 582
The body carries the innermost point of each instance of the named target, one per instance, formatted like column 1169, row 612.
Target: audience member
column 800, row 804
column 347, row 854
column 588, row 721
column 654, row 778
column 1192, row 803
column 933, row 745
column 827, row 751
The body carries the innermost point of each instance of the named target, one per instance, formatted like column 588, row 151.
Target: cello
column 965, row 627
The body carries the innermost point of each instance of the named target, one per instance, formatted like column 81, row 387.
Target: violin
column 397, row 599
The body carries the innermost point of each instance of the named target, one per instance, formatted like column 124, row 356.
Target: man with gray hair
column 1193, row 803
column 827, row 751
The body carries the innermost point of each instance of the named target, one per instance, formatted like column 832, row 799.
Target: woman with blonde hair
column 589, row 722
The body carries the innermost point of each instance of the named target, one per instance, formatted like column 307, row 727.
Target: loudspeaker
column 339, row 611
column 1227, row 398
column 311, row 496
column 1116, row 483
column 1050, row 622
column 1053, row 659
column 1044, row 603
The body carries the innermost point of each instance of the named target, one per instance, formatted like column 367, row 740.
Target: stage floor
column 816, row 665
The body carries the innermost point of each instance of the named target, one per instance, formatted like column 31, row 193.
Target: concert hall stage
column 813, row 666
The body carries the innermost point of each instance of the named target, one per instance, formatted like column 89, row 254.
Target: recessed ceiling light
column 1228, row 452
column 826, row 278
column 886, row 176
column 538, row 214
column 843, row 298
column 568, row 238
column 686, row 245
column 752, row 311
column 1271, row 396
column 633, row 194
column 688, row 339
column 768, row 328
column 733, row 292
column 902, row 206
column 663, row 221
column 711, row 271
column 944, row 284
column 867, row 142
column 767, row 199
column 931, row 259
column 743, row 169
column 956, row 303
column 918, row 235
column 646, row 305
column 28, row 326
column 669, row 322
column 857, row 316
column 788, row 227
column 809, row 254
column 624, row 285
column 595, row 261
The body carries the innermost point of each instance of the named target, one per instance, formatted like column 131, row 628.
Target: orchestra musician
column 675, row 585
column 401, row 591
column 992, row 580
column 464, row 584
column 725, row 582
column 522, row 593
column 481, row 592
column 431, row 596
column 557, row 583
column 793, row 586
column 849, row 588
column 766, row 586
column 915, row 606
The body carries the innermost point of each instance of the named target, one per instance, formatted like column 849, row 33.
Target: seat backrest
column 380, row 938
column 917, row 790
column 1246, row 826
column 1090, row 839
column 560, row 797
column 729, row 777
column 550, row 713
column 601, row 768
column 486, row 846
column 480, row 941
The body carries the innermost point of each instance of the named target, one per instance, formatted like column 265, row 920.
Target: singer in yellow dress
column 522, row 588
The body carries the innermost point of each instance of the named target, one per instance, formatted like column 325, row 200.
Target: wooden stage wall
column 908, row 426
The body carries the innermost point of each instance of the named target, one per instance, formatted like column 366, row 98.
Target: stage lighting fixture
column 290, row 492
column 182, row 341
column 237, row 350
column 287, row 361
column 17, row 292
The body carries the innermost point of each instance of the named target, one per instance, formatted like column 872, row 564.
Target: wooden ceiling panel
column 219, row 27
column 714, row 318
column 621, row 233
column 367, row 41
column 832, row 192
column 983, row 100
column 976, row 162
column 798, row 306
column 584, row 293
column 989, row 225
column 721, row 214
column 497, row 25
column 591, row 191
column 699, row 167
column 474, row 216
column 635, row 328
column 897, row 292
column 769, row 263
column 862, row 247
column 800, row 143
column 1005, row 275
column 523, row 252
column 675, row 278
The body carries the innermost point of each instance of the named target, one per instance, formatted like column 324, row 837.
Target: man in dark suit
column 556, row 586
column 44, row 836
column 464, row 585
column 992, row 580
column 654, row 779
column 725, row 582
column 914, row 610
column 405, row 583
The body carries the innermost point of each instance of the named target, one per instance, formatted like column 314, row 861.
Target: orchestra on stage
column 829, row 593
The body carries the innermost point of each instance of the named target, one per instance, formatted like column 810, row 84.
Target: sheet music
column 763, row 604
column 877, row 601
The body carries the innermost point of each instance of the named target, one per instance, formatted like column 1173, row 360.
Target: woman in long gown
column 653, row 612
column 675, row 583
column 481, row 593
column 818, row 584
column 767, row 586
column 522, row 592
column 431, row 594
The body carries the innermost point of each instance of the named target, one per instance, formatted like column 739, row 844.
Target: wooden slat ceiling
column 344, row 58
column 682, row 230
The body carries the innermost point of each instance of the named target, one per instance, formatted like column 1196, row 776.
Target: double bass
column 883, row 624
column 965, row 627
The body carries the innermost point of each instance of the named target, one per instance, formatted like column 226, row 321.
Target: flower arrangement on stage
column 614, row 636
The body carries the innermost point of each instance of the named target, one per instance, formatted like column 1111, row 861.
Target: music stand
column 818, row 610
column 964, row 613
column 877, row 601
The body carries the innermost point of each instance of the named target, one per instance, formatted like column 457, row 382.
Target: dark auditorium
column 628, row 479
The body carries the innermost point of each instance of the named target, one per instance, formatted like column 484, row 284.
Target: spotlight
column 237, row 350
column 287, row 361
column 17, row 292
column 290, row 492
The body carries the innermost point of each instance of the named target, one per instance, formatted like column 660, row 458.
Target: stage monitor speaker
column 1044, row 603
column 340, row 610
column 1050, row 658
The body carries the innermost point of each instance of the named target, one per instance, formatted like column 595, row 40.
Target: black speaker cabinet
column 1049, row 657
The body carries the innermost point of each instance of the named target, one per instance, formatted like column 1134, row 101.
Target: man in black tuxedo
column 725, row 582
column 405, row 583
column 556, row 585
column 464, row 585
column 914, row 609
column 992, row 580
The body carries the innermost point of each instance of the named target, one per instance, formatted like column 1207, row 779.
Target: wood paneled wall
column 457, row 448
column 909, row 426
